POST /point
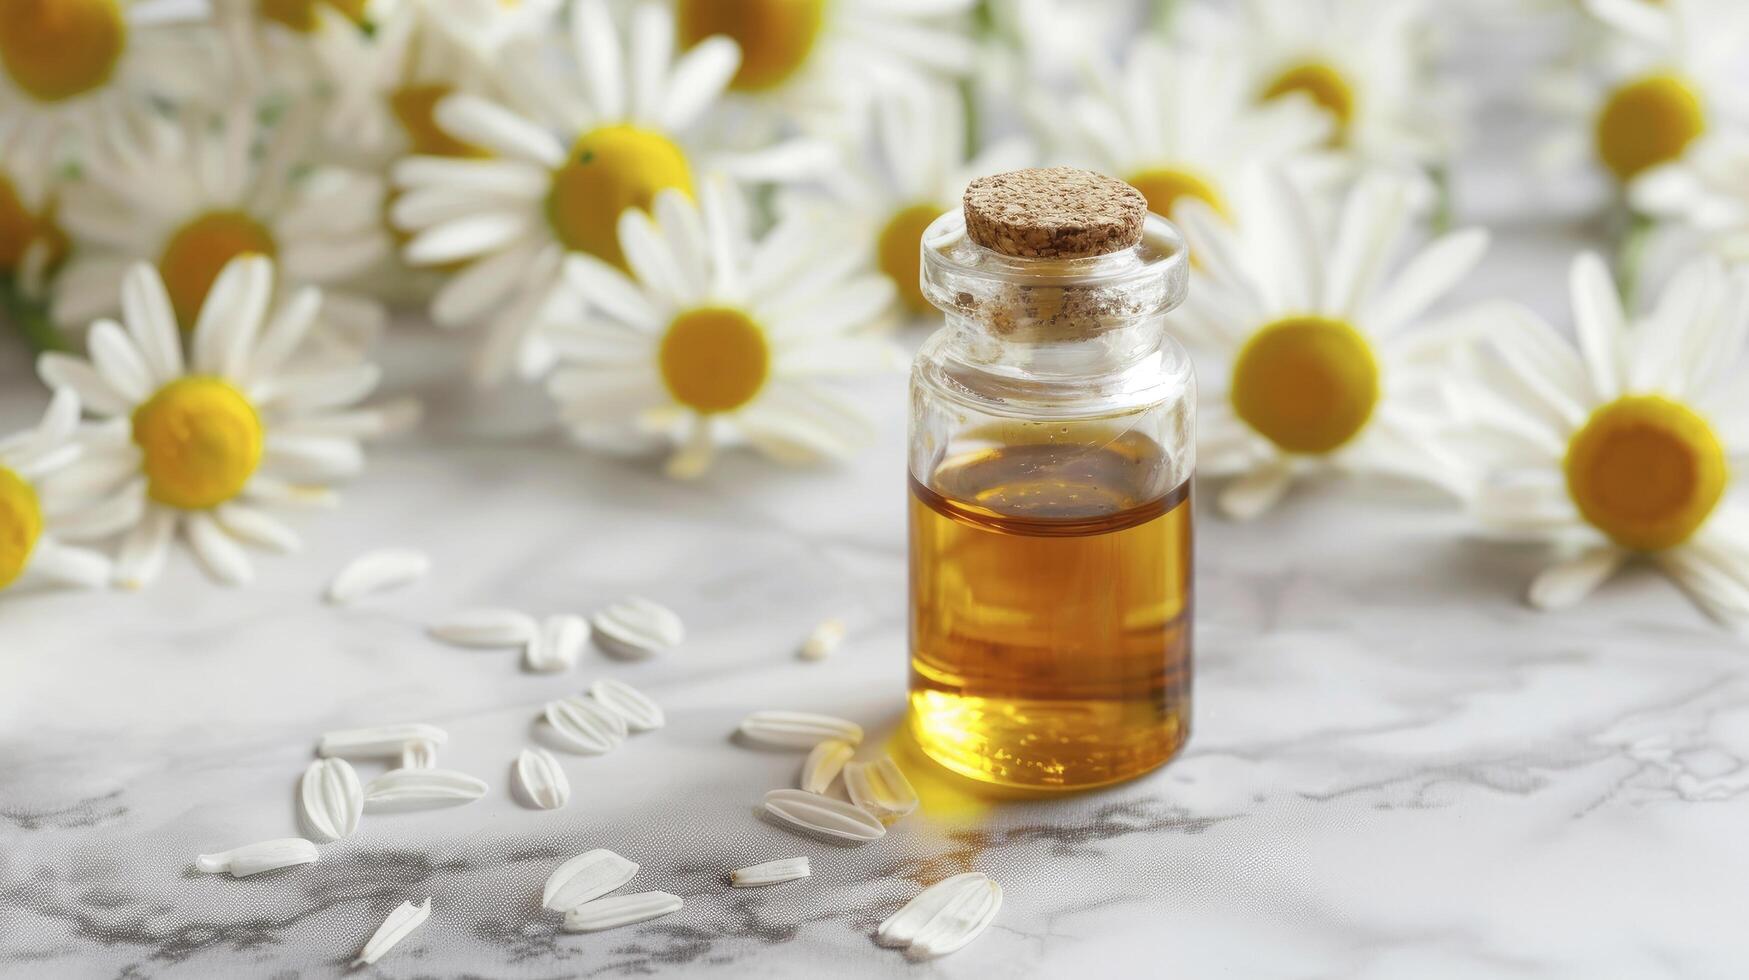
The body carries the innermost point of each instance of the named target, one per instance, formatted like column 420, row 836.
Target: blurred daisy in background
column 485, row 27
column 73, row 69
column 1314, row 339
column 713, row 339
column 197, row 192
column 818, row 61
column 626, row 122
column 204, row 435
column 1625, row 446
column 32, row 243
column 1706, row 192
column 1182, row 123
column 912, row 164
column 1364, row 63
column 1670, row 76
column 269, row 46
column 32, row 519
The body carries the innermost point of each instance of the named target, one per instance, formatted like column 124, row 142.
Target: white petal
column 770, row 873
column 253, row 859
column 637, row 627
column 143, row 551
column 151, row 321
column 824, row 764
column 400, row 923
column 221, row 555
column 404, row 789
column 115, row 357
column 698, row 80
column 333, row 799
column 542, row 779
column 1600, row 323
column 621, row 910
column 380, row 741
column 376, row 572
column 586, row 877
column 798, row 729
column 823, row 817
column 640, row 713
column 556, row 647
column 257, row 527
column 1249, row 495
column 474, row 120
column 1565, row 583
column 96, row 394
column 487, row 628
column 585, row 726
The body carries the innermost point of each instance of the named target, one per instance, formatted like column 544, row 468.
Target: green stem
column 1631, row 257
column 29, row 318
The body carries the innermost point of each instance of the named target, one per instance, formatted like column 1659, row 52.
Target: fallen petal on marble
column 621, row 910
column 542, row 780
column 586, row 877
column 824, row 640
column 556, row 648
column 382, row 741
column 586, row 725
column 640, row 713
column 637, row 628
column 332, row 798
column 798, row 729
column 253, row 859
column 902, row 927
column 770, row 873
column 823, row 817
column 398, row 926
column 419, row 755
column 376, row 572
column 880, row 788
column 824, row 763
column 487, row 628
column 962, row 920
column 414, row 788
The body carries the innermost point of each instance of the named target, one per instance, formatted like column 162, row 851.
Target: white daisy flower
column 714, row 339
column 32, row 518
column 72, row 69
column 1626, row 445
column 912, row 165
column 485, row 27
column 270, row 44
column 1179, row 123
column 1363, row 62
column 206, row 440
column 1314, row 340
column 386, row 83
column 1705, row 191
column 585, row 148
column 194, row 194
column 818, row 61
column 1670, row 75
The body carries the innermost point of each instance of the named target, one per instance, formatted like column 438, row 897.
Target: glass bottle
column 1052, row 443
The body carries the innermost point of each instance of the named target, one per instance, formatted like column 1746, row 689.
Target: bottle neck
column 1114, row 350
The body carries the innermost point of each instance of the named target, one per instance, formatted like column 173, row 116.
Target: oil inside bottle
column 1051, row 612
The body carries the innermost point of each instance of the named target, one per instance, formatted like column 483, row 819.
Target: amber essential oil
column 1051, row 612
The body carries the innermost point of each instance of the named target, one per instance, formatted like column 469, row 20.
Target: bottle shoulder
column 1087, row 379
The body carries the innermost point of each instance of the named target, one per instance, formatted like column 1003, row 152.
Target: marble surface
column 1397, row 769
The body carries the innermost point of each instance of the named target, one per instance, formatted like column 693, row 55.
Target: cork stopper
column 1056, row 212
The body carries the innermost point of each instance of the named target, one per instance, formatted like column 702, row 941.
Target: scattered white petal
column 398, row 926
column 962, row 920
column 253, row 859
column 903, row 927
column 880, row 788
column 798, row 729
column 380, row 742
column 824, row 817
column 586, row 725
column 640, row 713
column 770, row 873
column 621, row 910
column 556, row 648
column 376, row 572
column 414, row 788
column 487, row 628
column 586, row 877
column 419, row 754
column 824, row 640
column 332, row 798
column 637, row 628
column 824, row 763
column 542, row 779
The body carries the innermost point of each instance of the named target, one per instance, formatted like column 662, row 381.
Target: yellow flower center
column 300, row 15
column 1646, row 122
column 56, row 49
column 900, row 252
column 1326, row 86
column 1164, row 187
column 201, row 441
column 21, row 524
column 611, row 169
column 1306, row 383
column 200, row 250
column 714, row 359
column 415, row 107
column 1646, row 471
column 19, row 228
column 776, row 36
